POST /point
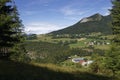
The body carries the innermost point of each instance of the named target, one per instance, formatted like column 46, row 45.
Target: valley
column 59, row 40
column 83, row 40
column 48, row 48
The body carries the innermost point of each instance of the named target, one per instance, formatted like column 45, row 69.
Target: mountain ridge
column 94, row 23
column 92, row 18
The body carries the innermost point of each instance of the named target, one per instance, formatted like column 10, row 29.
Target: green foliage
column 47, row 52
column 10, row 27
column 19, row 53
column 86, row 51
column 98, row 66
column 66, row 42
column 115, row 13
column 56, row 52
column 113, row 56
column 113, row 59
column 78, row 65
column 30, row 36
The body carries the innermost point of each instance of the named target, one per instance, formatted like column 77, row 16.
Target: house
column 86, row 63
column 107, row 43
column 77, row 60
column 82, row 61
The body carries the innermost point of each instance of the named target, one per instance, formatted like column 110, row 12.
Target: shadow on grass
column 10, row 70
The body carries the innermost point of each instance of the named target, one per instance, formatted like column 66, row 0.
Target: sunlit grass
column 54, row 67
column 102, row 47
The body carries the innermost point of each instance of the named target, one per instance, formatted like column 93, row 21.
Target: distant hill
column 94, row 23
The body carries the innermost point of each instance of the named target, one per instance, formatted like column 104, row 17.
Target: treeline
column 30, row 36
column 86, row 51
column 94, row 35
column 66, row 42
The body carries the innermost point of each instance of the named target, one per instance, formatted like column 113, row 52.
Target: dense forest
column 47, row 52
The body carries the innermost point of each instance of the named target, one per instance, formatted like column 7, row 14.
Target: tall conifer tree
column 113, row 56
column 10, row 27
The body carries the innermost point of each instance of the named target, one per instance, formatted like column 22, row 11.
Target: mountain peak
column 94, row 23
column 95, row 17
column 97, row 14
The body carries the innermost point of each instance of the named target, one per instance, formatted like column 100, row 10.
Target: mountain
column 94, row 23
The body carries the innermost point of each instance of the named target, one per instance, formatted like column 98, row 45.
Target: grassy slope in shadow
column 10, row 70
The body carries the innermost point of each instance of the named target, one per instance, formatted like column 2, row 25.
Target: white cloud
column 38, row 2
column 40, row 27
column 68, row 11
column 71, row 11
column 107, row 13
column 105, row 10
column 28, row 13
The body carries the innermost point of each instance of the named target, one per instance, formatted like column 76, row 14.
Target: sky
column 44, row 16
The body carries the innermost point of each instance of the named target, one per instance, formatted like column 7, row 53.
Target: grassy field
column 10, row 70
column 79, row 44
column 102, row 47
column 44, row 38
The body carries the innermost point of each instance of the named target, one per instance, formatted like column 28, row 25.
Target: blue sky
column 43, row 16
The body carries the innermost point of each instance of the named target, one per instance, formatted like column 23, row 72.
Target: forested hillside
column 94, row 23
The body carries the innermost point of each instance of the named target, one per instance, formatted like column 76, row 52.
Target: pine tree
column 115, row 13
column 113, row 56
column 10, row 27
